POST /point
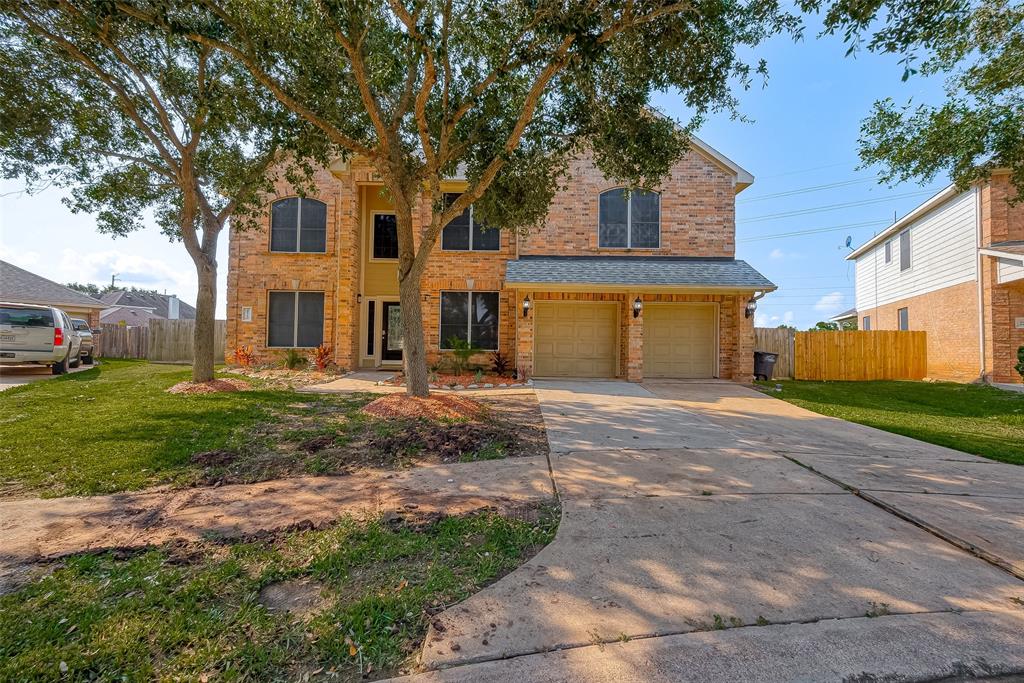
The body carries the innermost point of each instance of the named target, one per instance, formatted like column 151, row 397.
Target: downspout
column 980, row 284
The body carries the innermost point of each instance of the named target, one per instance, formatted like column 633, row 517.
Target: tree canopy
column 979, row 46
column 135, row 121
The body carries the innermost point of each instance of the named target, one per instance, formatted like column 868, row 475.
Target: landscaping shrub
column 499, row 363
column 244, row 356
column 1019, row 367
column 321, row 357
column 292, row 359
column 462, row 351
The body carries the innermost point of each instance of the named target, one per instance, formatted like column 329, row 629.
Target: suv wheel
column 61, row 367
column 87, row 358
column 76, row 362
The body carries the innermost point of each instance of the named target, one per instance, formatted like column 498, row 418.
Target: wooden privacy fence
column 167, row 341
column 859, row 355
column 777, row 340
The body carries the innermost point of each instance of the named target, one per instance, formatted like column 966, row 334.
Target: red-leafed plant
column 321, row 357
column 244, row 356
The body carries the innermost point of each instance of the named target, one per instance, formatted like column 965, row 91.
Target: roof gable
column 18, row 285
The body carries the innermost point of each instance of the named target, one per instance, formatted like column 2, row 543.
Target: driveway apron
column 689, row 509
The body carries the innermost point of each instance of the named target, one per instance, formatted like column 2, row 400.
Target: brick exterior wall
column 697, row 219
column 1001, row 221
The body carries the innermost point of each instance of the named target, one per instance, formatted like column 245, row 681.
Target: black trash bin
column 764, row 364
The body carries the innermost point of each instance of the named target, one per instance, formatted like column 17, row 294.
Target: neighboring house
column 559, row 301
column 953, row 267
column 161, row 305
column 18, row 285
column 129, row 316
column 846, row 319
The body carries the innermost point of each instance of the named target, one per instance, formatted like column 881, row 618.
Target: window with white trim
column 888, row 251
column 466, row 233
column 866, row 323
column 470, row 315
column 903, row 315
column 295, row 319
column 298, row 224
column 385, row 236
column 629, row 220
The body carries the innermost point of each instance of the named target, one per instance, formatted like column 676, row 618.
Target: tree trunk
column 206, row 306
column 414, row 356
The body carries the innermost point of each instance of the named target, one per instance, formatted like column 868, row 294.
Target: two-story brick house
column 953, row 267
column 612, row 284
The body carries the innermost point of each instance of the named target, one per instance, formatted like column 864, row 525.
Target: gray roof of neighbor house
column 845, row 315
column 132, row 316
column 660, row 271
column 18, row 285
column 157, row 302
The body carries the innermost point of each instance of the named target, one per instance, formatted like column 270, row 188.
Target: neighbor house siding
column 1009, row 270
column 942, row 254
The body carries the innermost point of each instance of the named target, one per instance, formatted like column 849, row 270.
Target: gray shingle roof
column 17, row 285
column 637, row 270
column 158, row 302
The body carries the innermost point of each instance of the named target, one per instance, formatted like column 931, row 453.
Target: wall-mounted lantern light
column 638, row 307
column 359, row 298
column 751, row 307
column 526, row 306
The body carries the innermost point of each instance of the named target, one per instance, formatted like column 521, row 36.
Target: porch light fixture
column 750, row 308
column 638, row 307
column 526, row 306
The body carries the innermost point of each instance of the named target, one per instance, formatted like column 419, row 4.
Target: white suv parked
column 38, row 334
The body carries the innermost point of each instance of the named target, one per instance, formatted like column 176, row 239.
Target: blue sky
column 804, row 134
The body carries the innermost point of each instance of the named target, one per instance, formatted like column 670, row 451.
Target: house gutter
column 981, row 288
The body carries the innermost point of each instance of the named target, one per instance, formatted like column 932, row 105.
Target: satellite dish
column 849, row 241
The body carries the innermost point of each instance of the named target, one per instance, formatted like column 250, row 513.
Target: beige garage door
column 679, row 340
column 575, row 339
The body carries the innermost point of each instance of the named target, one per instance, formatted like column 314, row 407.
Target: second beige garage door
column 575, row 339
column 680, row 340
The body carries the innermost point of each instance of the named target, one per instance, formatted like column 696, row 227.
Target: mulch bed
column 212, row 387
column 434, row 407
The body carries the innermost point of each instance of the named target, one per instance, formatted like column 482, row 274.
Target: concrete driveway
column 17, row 375
column 710, row 532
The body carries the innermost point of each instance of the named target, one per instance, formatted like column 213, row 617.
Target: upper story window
column 905, row 250
column 385, row 236
column 465, row 233
column 888, row 251
column 298, row 225
column 629, row 220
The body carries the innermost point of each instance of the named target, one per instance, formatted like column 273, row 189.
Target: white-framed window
column 246, row 314
column 903, row 316
column 470, row 316
column 465, row 233
column 905, row 250
column 384, row 237
column 629, row 220
column 295, row 319
column 866, row 323
column 888, row 251
column 298, row 224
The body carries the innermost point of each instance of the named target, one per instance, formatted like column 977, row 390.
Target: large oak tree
column 501, row 91
column 136, row 120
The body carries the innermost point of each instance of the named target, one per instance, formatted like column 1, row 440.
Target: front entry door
column 391, row 331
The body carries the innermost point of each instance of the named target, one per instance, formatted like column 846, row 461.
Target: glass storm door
column 391, row 331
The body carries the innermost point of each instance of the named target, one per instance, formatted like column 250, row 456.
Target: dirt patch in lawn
column 283, row 378
column 301, row 598
column 370, row 432
column 435, row 407
column 212, row 387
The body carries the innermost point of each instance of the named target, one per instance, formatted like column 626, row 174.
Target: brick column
column 524, row 336
column 634, row 341
column 743, row 363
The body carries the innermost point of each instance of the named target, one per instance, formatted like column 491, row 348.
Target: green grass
column 115, row 428
column 187, row 613
column 970, row 418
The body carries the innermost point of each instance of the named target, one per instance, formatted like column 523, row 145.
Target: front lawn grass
column 115, row 428
column 972, row 418
column 194, row 613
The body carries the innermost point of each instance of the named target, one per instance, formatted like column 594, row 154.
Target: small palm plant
column 462, row 351
column 293, row 359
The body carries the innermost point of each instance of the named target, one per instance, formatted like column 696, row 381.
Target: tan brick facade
column 697, row 219
column 951, row 315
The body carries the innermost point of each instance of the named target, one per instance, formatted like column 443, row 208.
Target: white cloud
column 765, row 320
column 19, row 257
column 830, row 303
column 778, row 254
column 131, row 270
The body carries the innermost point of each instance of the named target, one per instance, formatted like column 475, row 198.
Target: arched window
column 629, row 220
column 298, row 224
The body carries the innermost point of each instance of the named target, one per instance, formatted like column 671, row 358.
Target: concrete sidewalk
column 688, row 524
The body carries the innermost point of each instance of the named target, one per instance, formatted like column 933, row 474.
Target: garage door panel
column 680, row 340
column 576, row 339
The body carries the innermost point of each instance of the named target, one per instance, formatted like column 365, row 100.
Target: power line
column 805, row 190
column 834, row 207
column 812, row 231
column 805, row 170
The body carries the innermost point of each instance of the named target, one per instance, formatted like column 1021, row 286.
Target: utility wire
column 805, row 190
column 812, row 231
column 805, row 170
column 834, row 207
